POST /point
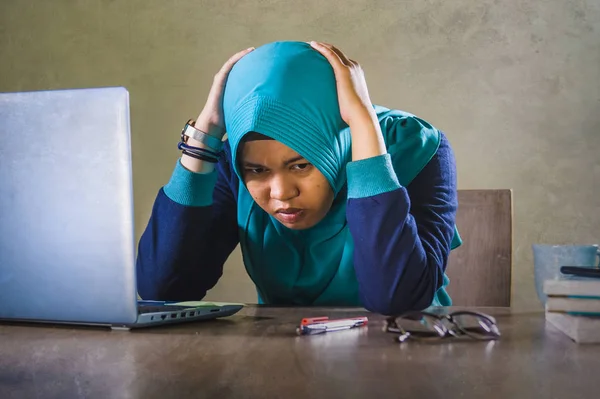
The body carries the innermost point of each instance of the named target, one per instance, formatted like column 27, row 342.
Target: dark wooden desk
column 256, row 354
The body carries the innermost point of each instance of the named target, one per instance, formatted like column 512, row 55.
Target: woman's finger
column 221, row 77
column 234, row 58
column 333, row 58
column 337, row 52
column 345, row 60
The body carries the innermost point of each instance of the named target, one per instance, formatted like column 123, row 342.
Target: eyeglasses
column 426, row 326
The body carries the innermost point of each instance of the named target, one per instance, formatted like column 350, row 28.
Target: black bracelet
column 199, row 153
column 199, row 156
column 209, row 153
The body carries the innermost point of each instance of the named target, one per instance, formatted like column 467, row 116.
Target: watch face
column 184, row 137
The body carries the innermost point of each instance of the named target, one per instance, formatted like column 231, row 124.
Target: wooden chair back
column 480, row 269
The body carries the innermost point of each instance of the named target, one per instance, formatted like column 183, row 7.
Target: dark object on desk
column 426, row 326
column 480, row 269
column 592, row 272
column 67, row 250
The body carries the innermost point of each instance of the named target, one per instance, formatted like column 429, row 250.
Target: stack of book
column 573, row 307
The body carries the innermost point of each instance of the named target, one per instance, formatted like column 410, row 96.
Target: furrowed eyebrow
column 252, row 165
column 292, row 160
column 285, row 163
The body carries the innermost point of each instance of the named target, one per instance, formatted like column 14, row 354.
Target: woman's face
column 284, row 184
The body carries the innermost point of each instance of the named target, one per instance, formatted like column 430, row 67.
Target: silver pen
column 320, row 325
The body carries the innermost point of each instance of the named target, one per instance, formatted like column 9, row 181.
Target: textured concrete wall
column 516, row 86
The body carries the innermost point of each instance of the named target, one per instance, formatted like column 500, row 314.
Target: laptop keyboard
column 160, row 308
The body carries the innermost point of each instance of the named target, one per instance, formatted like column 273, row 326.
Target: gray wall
column 514, row 84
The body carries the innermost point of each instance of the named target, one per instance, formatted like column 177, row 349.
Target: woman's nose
column 283, row 189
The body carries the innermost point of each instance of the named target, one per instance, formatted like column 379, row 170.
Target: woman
column 334, row 201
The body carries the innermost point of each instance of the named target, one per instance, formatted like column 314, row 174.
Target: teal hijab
column 287, row 91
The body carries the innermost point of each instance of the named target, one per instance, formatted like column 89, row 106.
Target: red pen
column 319, row 325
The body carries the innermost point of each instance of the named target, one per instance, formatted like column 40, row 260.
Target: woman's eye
column 301, row 166
column 255, row 171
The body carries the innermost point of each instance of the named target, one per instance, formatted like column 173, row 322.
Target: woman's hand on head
column 353, row 95
column 355, row 104
column 211, row 119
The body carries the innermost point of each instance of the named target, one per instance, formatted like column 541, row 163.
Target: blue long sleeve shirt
column 402, row 237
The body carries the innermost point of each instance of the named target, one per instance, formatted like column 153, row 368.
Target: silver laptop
column 67, row 250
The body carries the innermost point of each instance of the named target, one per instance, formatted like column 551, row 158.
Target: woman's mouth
column 289, row 215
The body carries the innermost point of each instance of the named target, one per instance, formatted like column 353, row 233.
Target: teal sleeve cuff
column 371, row 176
column 189, row 188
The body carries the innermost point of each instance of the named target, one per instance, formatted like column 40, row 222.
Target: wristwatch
column 190, row 130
